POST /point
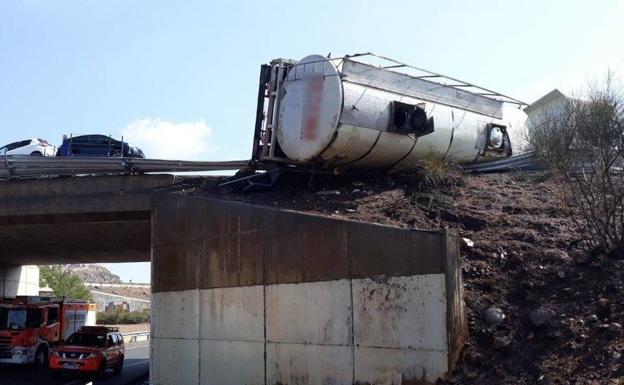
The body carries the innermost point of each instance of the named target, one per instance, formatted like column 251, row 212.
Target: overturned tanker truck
column 373, row 113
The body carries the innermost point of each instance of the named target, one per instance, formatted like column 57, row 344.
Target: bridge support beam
column 77, row 220
column 252, row 295
column 18, row 280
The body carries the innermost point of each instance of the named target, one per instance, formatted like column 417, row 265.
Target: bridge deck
column 77, row 220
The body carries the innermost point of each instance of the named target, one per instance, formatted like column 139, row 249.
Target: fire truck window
column 120, row 339
column 52, row 315
column 111, row 340
column 13, row 319
column 35, row 318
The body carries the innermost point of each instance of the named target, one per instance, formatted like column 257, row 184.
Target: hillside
column 541, row 310
column 92, row 273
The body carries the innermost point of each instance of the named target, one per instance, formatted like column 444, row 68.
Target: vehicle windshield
column 86, row 339
column 13, row 319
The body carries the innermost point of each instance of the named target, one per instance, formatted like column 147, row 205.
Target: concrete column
column 18, row 280
column 252, row 295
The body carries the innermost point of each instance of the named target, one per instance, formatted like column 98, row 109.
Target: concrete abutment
column 18, row 280
column 244, row 294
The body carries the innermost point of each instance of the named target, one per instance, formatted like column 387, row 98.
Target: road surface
column 136, row 365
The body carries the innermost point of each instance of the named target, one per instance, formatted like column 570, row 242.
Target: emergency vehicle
column 92, row 349
column 30, row 326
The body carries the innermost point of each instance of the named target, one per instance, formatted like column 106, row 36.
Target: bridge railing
column 136, row 336
column 33, row 166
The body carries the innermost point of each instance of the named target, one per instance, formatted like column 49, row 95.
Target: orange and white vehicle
column 31, row 326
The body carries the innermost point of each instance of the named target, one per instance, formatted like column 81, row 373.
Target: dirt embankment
column 126, row 291
column 526, row 266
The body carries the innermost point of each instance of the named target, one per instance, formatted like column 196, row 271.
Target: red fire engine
column 30, row 326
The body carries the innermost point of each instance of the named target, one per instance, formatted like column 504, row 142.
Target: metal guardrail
column 136, row 336
column 525, row 162
column 125, row 284
column 33, row 166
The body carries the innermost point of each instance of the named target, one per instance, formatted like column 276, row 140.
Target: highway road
column 136, row 365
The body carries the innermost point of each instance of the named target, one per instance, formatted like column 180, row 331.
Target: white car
column 35, row 147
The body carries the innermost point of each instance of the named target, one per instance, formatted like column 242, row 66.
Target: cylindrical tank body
column 340, row 113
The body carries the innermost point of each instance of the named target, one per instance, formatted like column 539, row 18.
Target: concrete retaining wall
column 253, row 295
column 103, row 300
column 18, row 280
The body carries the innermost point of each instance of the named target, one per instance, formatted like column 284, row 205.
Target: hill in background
column 89, row 272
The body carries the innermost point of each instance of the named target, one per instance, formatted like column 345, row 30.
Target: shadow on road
column 134, row 369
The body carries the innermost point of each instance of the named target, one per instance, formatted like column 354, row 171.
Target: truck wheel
column 41, row 357
column 119, row 366
column 36, row 153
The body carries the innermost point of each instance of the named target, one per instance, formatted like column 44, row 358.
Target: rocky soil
column 541, row 309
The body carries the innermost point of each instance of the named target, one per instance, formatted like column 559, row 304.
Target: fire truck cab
column 30, row 326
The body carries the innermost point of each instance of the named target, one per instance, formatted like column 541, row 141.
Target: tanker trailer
column 369, row 112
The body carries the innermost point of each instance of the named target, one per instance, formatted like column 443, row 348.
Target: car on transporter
column 90, row 350
column 97, row 145
column 33, row 147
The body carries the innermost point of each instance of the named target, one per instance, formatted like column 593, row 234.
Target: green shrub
column 435, row 173
column 121, row 317
column 63, row 283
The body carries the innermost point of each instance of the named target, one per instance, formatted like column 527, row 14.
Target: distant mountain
column 92, row 273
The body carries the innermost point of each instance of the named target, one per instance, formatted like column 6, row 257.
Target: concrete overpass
column 77, row 220
column 250, row 294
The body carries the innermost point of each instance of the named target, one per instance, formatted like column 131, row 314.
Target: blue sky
column 179, row 78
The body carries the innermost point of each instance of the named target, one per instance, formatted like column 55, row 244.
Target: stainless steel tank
column 343, row 112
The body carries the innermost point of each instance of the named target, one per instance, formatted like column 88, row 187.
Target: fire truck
column 30, row 326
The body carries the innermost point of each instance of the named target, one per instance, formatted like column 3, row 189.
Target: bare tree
column 582, row 140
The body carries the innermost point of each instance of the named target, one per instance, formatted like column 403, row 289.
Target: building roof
column 547, row 99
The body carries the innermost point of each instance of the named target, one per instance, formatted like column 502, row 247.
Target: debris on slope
column 558, row 311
